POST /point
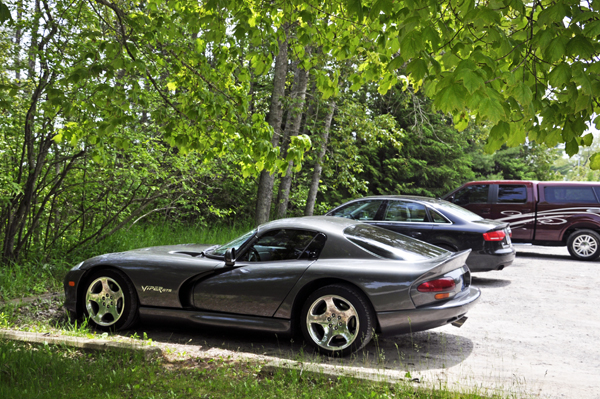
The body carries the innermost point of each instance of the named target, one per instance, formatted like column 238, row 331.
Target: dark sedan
column 338, row 281
column 437, row 222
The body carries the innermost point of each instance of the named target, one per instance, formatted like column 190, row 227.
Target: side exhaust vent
column 459, row 322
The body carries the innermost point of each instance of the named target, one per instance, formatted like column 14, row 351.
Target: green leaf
column 378, row 7
column 396, row 63
column 595, row 161
column 582, row 79
column 581, row 47
column 470, row 79
column 522, row 94
column 432, row 36
column 417, row 68
column 4, row 13
column 555, row 13
column 588, row 139
column 572, row 148
column 492, row 109
column 556, row 50
column 597, row 122
column 592, row 29
column 411, row 44
column 560, row 75
column 517, row 137
column 450, row 98
column 355, row 8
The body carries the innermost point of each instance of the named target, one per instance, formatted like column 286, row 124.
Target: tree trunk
column 265, row 183
column 314, row 184
column 292, row 128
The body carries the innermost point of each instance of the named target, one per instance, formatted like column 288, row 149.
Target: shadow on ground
column 539, row 255
column 484, row 282
column 409, row 352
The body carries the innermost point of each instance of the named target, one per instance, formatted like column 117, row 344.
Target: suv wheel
column 584, row 245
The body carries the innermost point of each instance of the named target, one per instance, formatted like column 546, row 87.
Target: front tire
column 110, row 301
column 584, row 245
column 337, row 320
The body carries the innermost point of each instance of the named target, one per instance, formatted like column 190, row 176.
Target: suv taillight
column 441, row 284
column 497, row 235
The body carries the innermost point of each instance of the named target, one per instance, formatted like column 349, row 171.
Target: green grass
column 44, row 274
column 42, row 371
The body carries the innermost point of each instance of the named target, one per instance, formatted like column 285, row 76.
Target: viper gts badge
column 155, row 288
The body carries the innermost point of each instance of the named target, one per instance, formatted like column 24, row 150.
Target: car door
column 514, row 204
column 406, row 217
column 262, row 276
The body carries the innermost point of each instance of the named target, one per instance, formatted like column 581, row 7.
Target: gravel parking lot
column 535, row 332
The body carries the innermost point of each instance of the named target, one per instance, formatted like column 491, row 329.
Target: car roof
column 325, row 224
column 400, row 197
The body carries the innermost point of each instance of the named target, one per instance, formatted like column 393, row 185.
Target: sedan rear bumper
column 485, row 261
column 426, row 317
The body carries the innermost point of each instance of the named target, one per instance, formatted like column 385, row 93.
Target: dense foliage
column 115, row 113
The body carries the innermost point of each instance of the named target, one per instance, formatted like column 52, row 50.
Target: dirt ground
column 535, row 332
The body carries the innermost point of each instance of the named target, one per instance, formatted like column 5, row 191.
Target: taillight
column 496, row 235
column 441, row 284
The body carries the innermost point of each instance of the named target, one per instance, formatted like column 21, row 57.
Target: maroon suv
column 540, row 213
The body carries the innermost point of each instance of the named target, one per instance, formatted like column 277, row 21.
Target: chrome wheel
column 104, row 301
column 585, row 245
column 332, row 322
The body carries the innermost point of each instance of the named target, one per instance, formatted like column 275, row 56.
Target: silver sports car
column 337, row 280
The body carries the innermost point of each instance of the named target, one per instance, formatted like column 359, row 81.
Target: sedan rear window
column 391, row 245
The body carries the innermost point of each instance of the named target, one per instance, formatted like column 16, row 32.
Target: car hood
column 171, row 255
column 180, row 249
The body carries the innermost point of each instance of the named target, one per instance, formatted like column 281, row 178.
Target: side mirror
column 230, row 257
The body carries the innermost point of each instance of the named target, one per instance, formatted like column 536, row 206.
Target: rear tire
column 110, row 301
column 337, row 320
column 584, row 245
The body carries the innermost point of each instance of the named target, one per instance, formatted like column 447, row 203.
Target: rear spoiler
column 455, row 261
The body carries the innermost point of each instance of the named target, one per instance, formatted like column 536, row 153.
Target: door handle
column 416, row 234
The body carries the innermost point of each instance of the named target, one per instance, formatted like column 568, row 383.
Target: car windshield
column 459, row 211
column 391, row 245
column 237, row 243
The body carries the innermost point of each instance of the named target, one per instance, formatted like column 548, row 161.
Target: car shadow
column 540, row 255
column 409, row 352
column 484, row 282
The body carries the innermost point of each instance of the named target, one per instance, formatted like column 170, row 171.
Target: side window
column 360, row 210
column 512, row 194
column 475, row 194
column 565, row 194
column 400, row 211
column 314, row 248
column 280, row 245
column 437, row 217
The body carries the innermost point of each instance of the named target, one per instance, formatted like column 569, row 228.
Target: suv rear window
column 512, row 194
column 563, row 194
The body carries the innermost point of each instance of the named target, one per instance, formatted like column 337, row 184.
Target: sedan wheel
column 110, row 300
column 584, row 245
column 337, row 320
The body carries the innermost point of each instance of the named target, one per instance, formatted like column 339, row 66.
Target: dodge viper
column 336, row 280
